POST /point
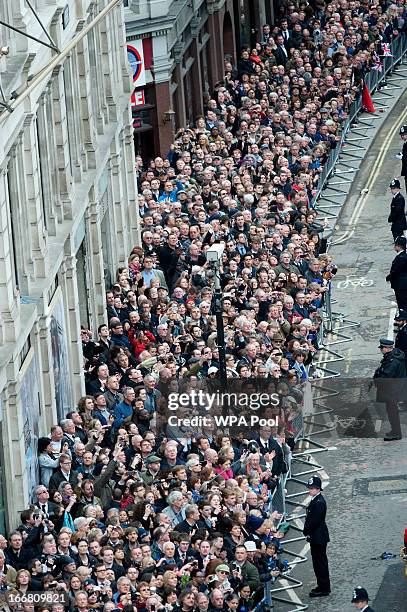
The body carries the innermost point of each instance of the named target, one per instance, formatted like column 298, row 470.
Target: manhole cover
column 380, row 485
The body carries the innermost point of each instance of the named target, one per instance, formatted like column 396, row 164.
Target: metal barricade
column 278, row 499
column 374, row 79
column 274, row 590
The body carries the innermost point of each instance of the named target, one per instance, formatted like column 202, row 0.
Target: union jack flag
column 377, row 63
column 386, row 50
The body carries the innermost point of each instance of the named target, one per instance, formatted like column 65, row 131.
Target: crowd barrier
column 274, row 591
column 374, row 80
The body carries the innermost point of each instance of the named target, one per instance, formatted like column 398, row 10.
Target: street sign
column 138, row 98
column 135, row 56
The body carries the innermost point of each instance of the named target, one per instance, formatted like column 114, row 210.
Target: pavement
column 365, row 477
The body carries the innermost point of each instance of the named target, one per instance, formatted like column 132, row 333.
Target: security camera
column 215, row 252
column 4, row 50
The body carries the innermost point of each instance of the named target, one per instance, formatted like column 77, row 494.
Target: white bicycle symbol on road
column 355, row 281
column 349, row 422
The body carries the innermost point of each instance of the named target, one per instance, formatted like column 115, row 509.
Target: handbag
column 68, row 521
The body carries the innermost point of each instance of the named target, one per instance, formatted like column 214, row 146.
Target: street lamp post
column 214, row 258
column 220, row 329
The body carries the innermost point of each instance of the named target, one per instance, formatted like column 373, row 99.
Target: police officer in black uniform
column 397, row 216
column 316, row 531
column 397, row 276
column 390, row 384
column 360, row 599
column 403, row 135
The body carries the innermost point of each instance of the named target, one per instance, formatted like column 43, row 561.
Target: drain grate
column 384, row 485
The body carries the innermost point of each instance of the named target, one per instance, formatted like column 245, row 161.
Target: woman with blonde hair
column 170, row 581
column 23, row 581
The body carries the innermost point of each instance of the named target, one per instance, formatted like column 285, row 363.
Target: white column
column 73, row 119
column 118, row 225
column 88, row 120
column 128, row 163
column 73, row 323
column 108, row 66
column 34, row 200
column 19, row 18
column 60, row 130
column 17, row 196
column 9, row 296
column 13, row 450
column 125, row 79
column 46, row 153
column 95, row 255
column 44, row 351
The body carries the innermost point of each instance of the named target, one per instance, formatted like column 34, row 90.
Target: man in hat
column 360, row 599
column 397, row 216
column 222, row 573
column 397, row 276
column 316, row 531
column 389, row 383
column 403, row 136
column 152, row 464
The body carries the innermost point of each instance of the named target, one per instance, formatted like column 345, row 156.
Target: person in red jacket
column 140, row 340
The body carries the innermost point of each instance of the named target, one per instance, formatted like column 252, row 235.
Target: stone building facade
column 68, row 214
column 183, row 45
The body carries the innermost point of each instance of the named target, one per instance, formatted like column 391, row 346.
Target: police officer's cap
column 314, row 481
column 386, row 342
column 395, row 184
column 359, row 594
column 401, row 241
column 402, row 316
column 403, row 130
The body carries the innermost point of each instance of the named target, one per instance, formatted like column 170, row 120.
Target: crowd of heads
column 130, row 513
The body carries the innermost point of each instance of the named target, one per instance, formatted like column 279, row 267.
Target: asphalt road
column 366, row 483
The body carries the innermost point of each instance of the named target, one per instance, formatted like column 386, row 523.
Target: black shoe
column 318, row 593
column 390, row 437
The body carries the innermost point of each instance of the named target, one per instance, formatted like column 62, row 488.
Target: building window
column 42, row 145
column 12, row 202
column 68, row 115
column 24, row 352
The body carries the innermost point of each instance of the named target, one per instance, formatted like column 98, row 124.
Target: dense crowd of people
column 131, row 513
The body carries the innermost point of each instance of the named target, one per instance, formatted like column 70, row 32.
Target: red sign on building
column 138, row 98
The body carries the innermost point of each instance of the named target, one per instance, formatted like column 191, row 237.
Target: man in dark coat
column 64, row 474
column 267, row 444
column 403, row 136
column 168, row 256
column 280, row 52
column 389, row 382
column 401, row 337
column 316, row 531
column 397, row 216
column 397, row 276
column 360, row 599
column 17, row 554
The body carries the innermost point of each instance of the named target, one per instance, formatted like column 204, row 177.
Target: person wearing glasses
column 48, row 508
column 222, row 573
